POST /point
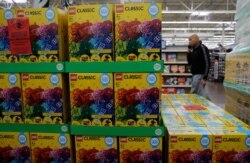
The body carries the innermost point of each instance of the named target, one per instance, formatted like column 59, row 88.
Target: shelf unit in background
column 177, row 76
column 217, row 68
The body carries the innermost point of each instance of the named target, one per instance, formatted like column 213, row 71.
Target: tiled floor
column 216, row 93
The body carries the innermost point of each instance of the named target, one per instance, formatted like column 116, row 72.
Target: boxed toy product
column 192, row 120
column 4, row 37
column 96, row 149
column 92, row 99
column 231, row 144
column 10, row 98
column 43, row 98
column 138, row 32
column 140, row 149
column 50, row 147
column 137, row 99
column 47, row 34
column 90, row 33
column 14, row 147
column 172, row 120
column 189, row 144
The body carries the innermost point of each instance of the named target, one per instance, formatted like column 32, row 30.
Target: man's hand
column 203, row 82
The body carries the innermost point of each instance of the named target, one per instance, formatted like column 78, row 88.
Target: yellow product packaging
column 211, row 120
column 171, row 120
column 92, row 99
column 10, row 98
column 137, row 99
column 231, row 144
column 90, row 33
column 140, row 149
column 170, row 111
column 192, row 109
column 50, row 147
column 96, row 149
column 44, row 98
column 138, row 31
column 189, row 144
column 47, row 33
column 192, row 120
column 232, row 121
column 5, row 54
column 238, row 104
column 14, row 147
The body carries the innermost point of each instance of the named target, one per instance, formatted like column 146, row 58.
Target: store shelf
column 177, row 62
column 177, row 86
column 116, row 131
column 96, row 67
column 174, row 51
column 41, row 128
column 176, row 74
column 32, row 67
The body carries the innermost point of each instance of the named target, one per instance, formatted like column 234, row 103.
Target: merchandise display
column 44, row 98
column 96, row 149
column 138, row 32
column 110, row 83
column 10, row 98
column 137, row 99
column 140, row 149
column 90, row 33
column 48, row 147
column 15, row 147
column 92, row 99
column 47, row 36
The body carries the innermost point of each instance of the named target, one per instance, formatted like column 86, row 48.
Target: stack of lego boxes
column 198, row 130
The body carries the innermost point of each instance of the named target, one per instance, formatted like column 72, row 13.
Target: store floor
column 216, row 93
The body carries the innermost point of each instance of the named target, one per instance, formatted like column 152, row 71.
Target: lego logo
column 119, row 8
column 25, row 76
column 217, row 139
column 34, row 137
column 79, row 138
column 173, row 139
column 118, row 76
column 72, row 10
column 123, row 139
column 20, row 13
column 73, row 77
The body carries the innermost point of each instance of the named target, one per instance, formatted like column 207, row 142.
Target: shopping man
column 198, row 58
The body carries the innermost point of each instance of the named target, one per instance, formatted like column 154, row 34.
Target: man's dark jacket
column 199, row 60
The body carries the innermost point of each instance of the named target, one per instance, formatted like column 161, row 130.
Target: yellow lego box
column 211, row 120
column 5, row 54
column 192, row 120
column 96, row 149
column 90, row 33
column 171, row 120
column 92, row 99
column 231, row 144
column 14, row 147
column 50, row 147
column 189, row 144
column 138, row 31
column 10, row 98
column 44, row 98
column 137, row 99
column 47, row 29
column 140, row 149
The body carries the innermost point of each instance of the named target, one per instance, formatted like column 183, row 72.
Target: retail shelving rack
column 176, row 77
column 91, row 67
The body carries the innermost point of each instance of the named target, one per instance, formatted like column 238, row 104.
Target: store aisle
column 216, row 93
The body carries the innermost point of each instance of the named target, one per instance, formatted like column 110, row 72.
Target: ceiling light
column 200, row 13
column 226, row 36
column 16, row 1
column 198, row 22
